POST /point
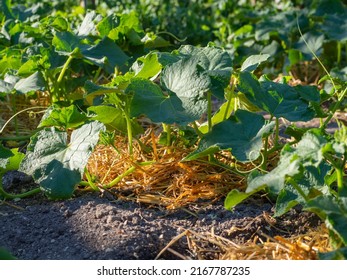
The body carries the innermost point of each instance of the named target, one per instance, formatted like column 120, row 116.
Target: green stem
column 265, row 153
column 16, row 114
column 334, row 109
column 339, row 51
column 277, row 131
column 167, row 129
column 339, row 173
column 5, row 194
column 209, row 110
column 130, row 133
column 126, row 173
column 66, row 65
column 90, row 181
column 298, row 189
column 230, row 98
column 197, row 130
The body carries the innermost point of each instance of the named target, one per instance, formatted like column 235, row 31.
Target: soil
column 91, row 226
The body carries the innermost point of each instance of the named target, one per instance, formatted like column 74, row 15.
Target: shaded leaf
column 215, row 63
column 280, row 100
column 183, row 79
column 244, row 140
column 148, row 99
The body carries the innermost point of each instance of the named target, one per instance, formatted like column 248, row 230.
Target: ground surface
column 94, row 227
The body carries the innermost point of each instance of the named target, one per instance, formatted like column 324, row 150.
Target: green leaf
column 335, row 27
column 252, row 62
column 66, row 117
column 334, row 211
column 66, row 43
column 5, row 7
column 215, row 63
column 34, row 82
column 5, row 154
column 308, row 152
column 106, row 54
column 56, row 164
column 312, row 183
column 92, row 89
column 314, row 43
column 338, row 254
column 280, row 100
column 183, row 79
column 235, row 197
column 148, row 99
column 244, row 140
column 147, row 67
column 88, row 25
column 113, row 118
column 107, row 24
column 5, row 255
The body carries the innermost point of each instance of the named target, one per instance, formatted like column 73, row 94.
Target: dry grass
column 173, row 184
column 167, row 181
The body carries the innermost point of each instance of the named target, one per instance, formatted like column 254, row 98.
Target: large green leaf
column 148, row 99
column 189, row 84
column 334, row 211
column 280, row 100
column 66, row 43
column 312, row 183
column 308, row 152
column 215, row 62
column 55, row 163
column 235, row 133
column 309, row 43
column 105, row 54
column 22, row 85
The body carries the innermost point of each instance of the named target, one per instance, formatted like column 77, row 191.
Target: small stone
column 99, row 213
column 110, row 219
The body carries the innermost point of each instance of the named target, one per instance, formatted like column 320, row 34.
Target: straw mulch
column 170, row 183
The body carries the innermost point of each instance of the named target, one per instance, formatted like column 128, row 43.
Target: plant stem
column 126, row 173
column 16, row 114
column 339, row 173
column 90, row 181
column 297, row 188
column 339, row 51
column 209, row 110
column 334, row 109
column 5, row 194
column 230, row 98
column 265, row 153
column 277, row 131
column 197, row 130
column 130, row 133
column 66, row 65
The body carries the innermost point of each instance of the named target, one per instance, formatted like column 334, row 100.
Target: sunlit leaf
column 51, row 157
